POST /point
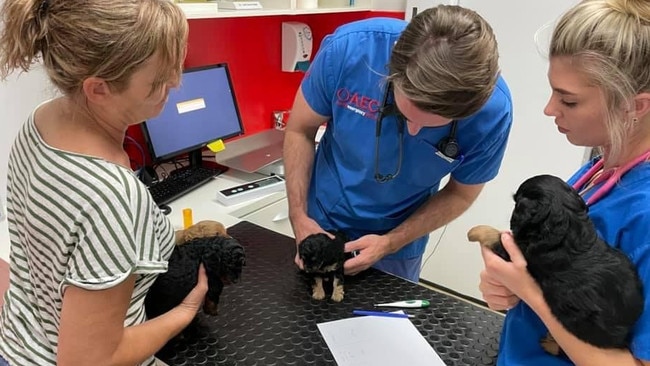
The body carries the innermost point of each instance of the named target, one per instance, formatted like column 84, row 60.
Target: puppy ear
column 575, row 203
column 238, row 256
column 530, row 210
column 212, row 261
column 234, row 254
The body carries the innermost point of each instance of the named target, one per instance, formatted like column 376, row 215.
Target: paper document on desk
column 377, row 341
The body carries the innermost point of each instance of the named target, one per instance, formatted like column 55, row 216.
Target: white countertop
column 202, row 201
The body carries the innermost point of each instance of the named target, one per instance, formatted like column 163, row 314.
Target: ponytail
column 22, row 34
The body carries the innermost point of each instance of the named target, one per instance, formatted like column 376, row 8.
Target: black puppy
column 592, row 288
column 323, row 261
column 222, row 257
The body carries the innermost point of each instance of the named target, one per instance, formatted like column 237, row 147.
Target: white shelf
column 200, row 10
column 211, row 10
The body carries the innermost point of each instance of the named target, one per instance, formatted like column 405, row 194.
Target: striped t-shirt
column 74, row 220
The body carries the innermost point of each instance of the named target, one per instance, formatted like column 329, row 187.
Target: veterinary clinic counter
column 269, row 317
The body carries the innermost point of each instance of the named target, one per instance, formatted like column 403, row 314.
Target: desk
column 269, row 318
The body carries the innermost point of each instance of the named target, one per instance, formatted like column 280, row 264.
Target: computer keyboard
column 181, row 182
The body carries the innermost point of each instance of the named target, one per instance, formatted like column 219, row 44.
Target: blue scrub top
column 622, row 219
column 346, row 81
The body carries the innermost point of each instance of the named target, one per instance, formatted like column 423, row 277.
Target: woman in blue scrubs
column 405, row 104
column 600, row 78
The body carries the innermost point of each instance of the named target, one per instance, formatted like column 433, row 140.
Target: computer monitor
column 201, row 110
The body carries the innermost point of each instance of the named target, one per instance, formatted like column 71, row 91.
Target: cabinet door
column 273, row 217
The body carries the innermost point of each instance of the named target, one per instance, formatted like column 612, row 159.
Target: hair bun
column 639, row 9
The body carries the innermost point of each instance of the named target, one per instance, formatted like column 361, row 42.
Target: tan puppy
column 201, row 229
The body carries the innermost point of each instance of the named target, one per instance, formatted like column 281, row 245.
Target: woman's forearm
column 141, row 341
column 581, row 353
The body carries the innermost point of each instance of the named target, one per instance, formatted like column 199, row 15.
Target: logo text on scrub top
column 357, row 103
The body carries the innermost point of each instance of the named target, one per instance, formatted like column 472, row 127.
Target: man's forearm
column 298, row 163
column 438, row 211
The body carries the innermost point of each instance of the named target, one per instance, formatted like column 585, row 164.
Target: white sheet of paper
column 377, row 341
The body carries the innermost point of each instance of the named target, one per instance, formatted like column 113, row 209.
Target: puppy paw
column 549, row 345
column 318, row 292
column 484, row 234
column 210, row 307
column 337, row 294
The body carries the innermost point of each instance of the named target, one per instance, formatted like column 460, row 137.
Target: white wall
column 535, row 146
column 19, row 94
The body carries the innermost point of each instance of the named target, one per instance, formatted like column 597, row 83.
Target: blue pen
column 381, row 313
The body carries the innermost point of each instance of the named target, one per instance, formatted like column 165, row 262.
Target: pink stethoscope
column 611, row 177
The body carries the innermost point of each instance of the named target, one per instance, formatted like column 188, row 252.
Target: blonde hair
column 609, row 40
column 446, row 61
column 77, row 39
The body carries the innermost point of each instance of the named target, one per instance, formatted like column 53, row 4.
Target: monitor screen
column 201, row 110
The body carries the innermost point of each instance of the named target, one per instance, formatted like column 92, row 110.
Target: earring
column 635, row 120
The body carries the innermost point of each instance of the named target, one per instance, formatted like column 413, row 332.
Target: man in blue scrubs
column 435, row 79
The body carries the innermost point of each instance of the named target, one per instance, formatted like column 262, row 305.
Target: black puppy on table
column 323, row 260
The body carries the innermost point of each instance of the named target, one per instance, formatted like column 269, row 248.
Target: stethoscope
column 384, row 111
column 610, row 177
column 448, row 146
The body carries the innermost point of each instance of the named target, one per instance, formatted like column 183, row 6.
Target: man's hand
column 371, row 249
column 303, row 228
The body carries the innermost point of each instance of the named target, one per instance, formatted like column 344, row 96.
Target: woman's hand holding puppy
column 504, row 283
column 194, row 300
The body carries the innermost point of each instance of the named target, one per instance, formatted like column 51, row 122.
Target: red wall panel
column 252, row 48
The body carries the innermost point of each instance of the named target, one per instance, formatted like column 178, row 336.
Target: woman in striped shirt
column 87, row 240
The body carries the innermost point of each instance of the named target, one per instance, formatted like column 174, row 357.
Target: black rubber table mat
column 269, row 317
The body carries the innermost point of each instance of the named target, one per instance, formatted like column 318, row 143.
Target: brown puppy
column 201, row 229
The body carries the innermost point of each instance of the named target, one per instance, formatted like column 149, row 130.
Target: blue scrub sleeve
column 640, row 256
column 318, row 86
column 483, row 164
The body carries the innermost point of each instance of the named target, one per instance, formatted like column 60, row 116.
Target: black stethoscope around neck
column 448, row 146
